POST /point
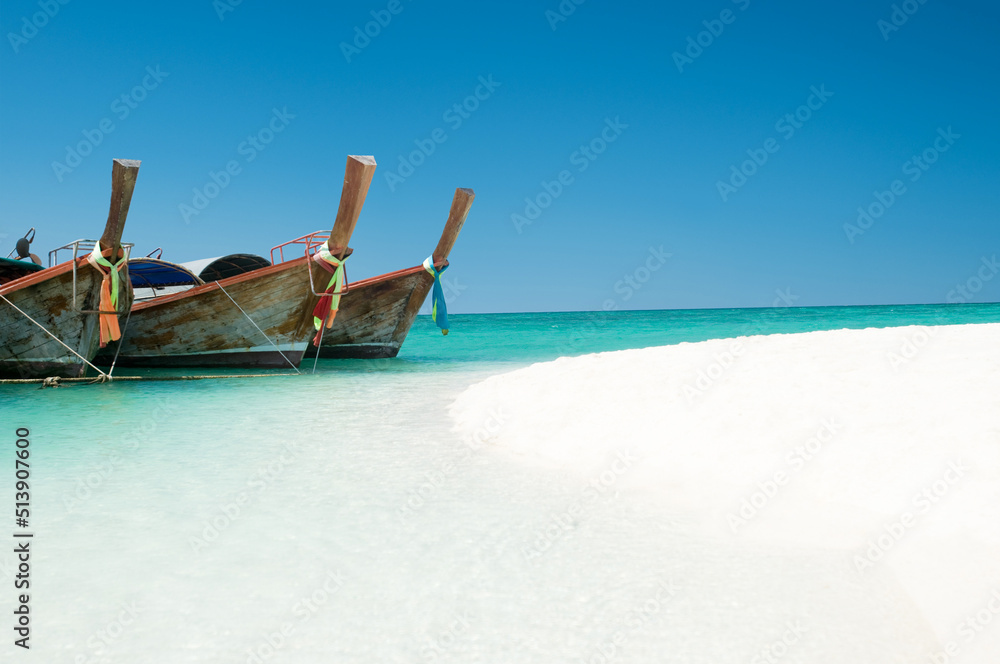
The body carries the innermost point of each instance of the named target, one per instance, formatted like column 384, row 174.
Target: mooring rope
column 258, row 328
column 16, row 381
column 120, row 341
column 319, row 347
column 104, row 375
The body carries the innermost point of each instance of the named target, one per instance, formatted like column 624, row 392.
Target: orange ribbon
column 108, row 305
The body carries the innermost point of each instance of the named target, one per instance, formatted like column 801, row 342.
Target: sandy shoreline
column 879, row 446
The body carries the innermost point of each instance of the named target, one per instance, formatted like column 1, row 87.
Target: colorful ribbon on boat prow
column 439, row 309
column 108, row 305
column 327, row 307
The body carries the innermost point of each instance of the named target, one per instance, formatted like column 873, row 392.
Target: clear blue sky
column 657, row 184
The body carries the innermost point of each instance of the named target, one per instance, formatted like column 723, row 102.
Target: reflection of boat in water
column 238, row 311
column 53, row 320
column 376, row 314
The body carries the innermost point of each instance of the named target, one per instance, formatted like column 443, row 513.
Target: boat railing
column 85, row 247
column 77, row 246
column 309, row 243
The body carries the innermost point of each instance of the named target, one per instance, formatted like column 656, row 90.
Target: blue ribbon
column 439, row 309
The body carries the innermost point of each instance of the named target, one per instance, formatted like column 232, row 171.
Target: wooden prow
column 357, row 178
column 456, row 218
column 123, row 175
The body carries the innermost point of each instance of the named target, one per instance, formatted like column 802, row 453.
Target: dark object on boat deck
column 48, row 297
column 231, row 265
column 15, row 268
column 23, row 247
column 376, row 314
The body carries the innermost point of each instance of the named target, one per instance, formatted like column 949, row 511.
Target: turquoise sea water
column 539, row 337
column 339, row 516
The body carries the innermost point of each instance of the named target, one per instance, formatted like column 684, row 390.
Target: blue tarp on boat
column 155, row 273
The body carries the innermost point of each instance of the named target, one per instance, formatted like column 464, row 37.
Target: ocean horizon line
column 797, row 307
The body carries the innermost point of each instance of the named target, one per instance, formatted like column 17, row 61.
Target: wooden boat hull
column 261, row 318
column 375, row 315
column 47, row 296
column 202, row 327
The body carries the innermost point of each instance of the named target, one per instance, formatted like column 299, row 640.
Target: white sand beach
column 876, row 450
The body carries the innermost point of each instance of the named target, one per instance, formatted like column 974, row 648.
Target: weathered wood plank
column 460, row 206
column 123, row 176
column 357, row 178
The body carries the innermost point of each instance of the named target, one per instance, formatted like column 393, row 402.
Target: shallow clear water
column 340, row 517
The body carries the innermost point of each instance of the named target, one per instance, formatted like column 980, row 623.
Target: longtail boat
column 376, row 314
column 245, row 314
column 54, row 320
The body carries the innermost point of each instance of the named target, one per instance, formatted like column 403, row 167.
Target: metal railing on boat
column 87, row 246
column 311, row 244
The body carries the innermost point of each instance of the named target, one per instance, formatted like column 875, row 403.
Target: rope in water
column 258, row 328
column 15, row 381
column 319, row 347
column 103, row 375
column 119, row 349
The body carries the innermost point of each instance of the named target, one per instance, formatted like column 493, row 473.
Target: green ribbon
column 336, row 283
column 97, row 258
